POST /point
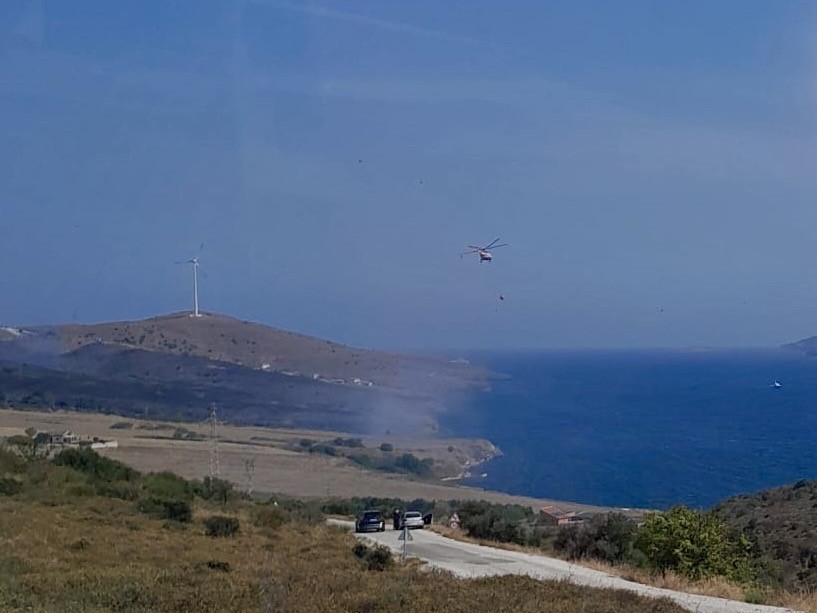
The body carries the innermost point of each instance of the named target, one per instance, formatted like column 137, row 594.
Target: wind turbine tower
column 195, row 263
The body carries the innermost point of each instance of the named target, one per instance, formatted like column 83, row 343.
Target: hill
column 84, row 533
column 781, row 524
column 177, row 365
column 807, row 346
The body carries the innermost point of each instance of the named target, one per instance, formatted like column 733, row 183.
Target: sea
column 643, row 429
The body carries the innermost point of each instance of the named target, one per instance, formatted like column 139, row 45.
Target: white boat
column 776, row 384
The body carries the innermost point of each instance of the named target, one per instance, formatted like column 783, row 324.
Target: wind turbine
column 195, row 262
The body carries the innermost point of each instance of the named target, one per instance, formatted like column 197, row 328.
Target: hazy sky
column 636, row 155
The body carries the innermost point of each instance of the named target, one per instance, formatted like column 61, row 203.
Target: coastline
column 277, row 468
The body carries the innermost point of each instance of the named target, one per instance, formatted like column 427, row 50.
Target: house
column 554, row 516
column 66, row 438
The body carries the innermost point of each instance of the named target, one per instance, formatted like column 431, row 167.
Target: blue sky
column 638, row 156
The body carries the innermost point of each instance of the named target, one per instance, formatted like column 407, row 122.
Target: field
column 279, row 467
column 66, row 547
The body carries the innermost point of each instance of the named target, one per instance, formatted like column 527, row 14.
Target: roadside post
column 405, row 536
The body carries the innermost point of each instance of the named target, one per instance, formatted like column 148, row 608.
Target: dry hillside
column 222, row 338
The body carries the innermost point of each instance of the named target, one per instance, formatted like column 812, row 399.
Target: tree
column 694, row 544
column 25, row 446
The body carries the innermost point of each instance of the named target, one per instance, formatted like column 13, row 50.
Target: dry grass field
column 278, row 468
column 64, row 548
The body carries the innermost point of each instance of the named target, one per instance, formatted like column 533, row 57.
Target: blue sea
column 644, row 429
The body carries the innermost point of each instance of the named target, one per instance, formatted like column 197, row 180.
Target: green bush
column 10, row 462
column 122, row 425
column 695, row 545
column 219, row 490
column 503, row 523
column 166, row 485
column 386, row 447
column 609, row 537
column 411, row 464
column 174, row 510
column 95, row 466
column 126, row 490
column 10, row 486
column 221, row 525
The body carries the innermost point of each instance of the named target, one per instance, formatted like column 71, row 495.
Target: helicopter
column 484, row 253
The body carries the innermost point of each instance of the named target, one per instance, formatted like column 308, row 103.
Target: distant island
column 807, row 346
column 175, row 366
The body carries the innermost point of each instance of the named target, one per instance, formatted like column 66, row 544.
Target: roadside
column 471, row 560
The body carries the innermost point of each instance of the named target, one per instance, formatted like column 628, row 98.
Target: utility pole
column 249, row 473
column 215, row 466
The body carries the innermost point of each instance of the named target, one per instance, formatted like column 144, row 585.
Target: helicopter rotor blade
column 492, row 243
column 498, row 246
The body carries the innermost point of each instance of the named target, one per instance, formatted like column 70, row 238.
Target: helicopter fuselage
column 485, row 256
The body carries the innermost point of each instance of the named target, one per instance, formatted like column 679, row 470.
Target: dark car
column 370, row 521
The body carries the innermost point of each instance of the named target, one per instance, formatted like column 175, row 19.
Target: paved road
column 469, row 560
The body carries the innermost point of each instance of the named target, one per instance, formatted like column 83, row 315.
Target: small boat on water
column 776, row 384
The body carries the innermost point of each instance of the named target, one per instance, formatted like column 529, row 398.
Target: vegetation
column 374, row 558
column 386, row 447
column 68, row 548
column 503, row 523
column 122, row 425
column 406, row 463
column 609, row 537
column 347, row 442
column 780, row 524
column 221, row 525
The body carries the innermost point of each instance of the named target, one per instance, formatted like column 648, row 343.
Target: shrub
column 306, row 443
column 174, row 510
column 412, row 464
column 270, row 517
column 504, row 523
column 25, row 445
column 126, row 490
column 386, row 447
column 80, row 545
column 95, row 466
column 167, row 486
column 122, row 425
column 609, row 537
column 695, row 545
column 213, row 488
column 324, row 449
column 217, row 565
column 10, row 462
column 221, row 525
column 348, row 442
column 10, row 486
column 377, row 558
